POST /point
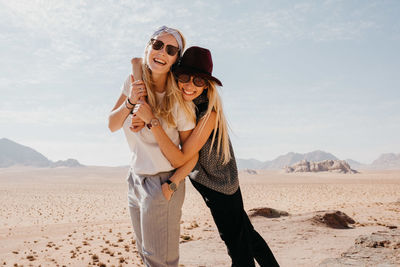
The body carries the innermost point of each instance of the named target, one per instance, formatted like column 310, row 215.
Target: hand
column 143, row 111
column 166, row 192
column 138, row 91
column 137, row 124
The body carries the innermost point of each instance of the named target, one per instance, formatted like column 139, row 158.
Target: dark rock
column 250, row 171
column 267, row 212
column 333, row 219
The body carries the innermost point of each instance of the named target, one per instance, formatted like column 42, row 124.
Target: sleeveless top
column 209, row 170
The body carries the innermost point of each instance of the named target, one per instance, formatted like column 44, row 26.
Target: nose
column 162, row 51
column 190, row 82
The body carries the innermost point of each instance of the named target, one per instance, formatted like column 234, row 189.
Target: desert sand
column 79, row 217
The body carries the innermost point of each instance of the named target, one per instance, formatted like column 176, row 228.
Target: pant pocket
column 152, row 187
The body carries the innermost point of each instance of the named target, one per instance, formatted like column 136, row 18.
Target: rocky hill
column 292, row 158
column 339, row 166
column 12, row 153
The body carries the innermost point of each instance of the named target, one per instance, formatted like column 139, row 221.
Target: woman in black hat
column 215, row 175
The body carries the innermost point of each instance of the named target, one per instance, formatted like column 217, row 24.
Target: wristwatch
column 172, row 186
column 153, row 122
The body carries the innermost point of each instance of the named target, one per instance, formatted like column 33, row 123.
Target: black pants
column 243, row 242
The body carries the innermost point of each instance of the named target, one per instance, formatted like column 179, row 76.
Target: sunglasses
column 197, row 80
column 158, row 45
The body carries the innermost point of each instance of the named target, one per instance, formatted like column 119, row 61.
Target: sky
column 298, row 76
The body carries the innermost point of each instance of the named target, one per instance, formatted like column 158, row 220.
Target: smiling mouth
column 159, row 61
column 189, row 93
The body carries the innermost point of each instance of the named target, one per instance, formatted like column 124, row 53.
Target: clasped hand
column 142, row 113
column 138, row 91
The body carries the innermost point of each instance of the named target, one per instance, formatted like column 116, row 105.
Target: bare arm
column 137, row 123
column 118, row 114
column 137, row 68
column 122, row 109
column 193, row 144
column 181, row 173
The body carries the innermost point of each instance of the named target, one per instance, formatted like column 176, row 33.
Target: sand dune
column 79, row 216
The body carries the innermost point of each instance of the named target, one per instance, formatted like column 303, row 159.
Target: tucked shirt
column 146, row 155
column 209, row 170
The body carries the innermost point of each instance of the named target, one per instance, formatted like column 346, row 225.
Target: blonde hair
column 172, row 93
column 221, row 124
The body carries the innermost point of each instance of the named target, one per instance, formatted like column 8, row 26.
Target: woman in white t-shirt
column 155, row 218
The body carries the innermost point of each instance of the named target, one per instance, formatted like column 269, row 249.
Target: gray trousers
column 155, row 220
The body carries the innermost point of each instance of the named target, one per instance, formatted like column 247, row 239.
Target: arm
column 137, row 124
column 192, row 145
column 122, row 108
column 118, row 114
column 137, row 68
column 181, row 173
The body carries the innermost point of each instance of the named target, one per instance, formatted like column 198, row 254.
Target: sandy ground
column 79, row 216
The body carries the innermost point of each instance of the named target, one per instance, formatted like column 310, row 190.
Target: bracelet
column 126, row 105
column 130, row 101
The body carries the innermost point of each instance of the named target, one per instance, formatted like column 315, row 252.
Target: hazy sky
column 298, row 75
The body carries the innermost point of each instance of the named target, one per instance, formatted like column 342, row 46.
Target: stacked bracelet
column 130, row 101
column 126, row 105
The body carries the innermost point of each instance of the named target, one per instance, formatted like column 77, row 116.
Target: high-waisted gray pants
column 155, row 220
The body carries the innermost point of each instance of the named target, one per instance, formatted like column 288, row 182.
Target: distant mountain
column 249, row 164
column 284, row 160
column 12, row 153
column 355, row 164
column 386, row 161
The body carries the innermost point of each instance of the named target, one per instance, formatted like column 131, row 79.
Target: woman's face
column 189, row 90
column 160, row 61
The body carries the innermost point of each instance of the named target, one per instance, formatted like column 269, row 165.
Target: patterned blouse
column 209, row 170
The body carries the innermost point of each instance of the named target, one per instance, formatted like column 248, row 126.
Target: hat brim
column 186, row 70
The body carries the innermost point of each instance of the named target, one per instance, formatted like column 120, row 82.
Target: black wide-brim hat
column 196, row 60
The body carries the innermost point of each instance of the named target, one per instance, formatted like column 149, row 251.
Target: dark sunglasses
column 197, row 80
column 158, row 45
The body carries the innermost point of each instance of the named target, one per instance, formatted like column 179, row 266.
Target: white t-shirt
column 147, row 157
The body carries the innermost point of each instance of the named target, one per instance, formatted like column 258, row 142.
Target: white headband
column 174, row 33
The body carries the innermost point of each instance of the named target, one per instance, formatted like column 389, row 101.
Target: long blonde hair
column 221, row 124
column 172, row 93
